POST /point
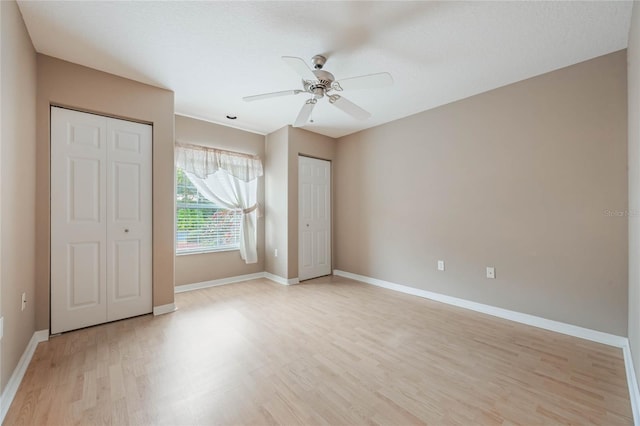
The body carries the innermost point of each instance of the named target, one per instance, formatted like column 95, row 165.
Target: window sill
column 187, row 253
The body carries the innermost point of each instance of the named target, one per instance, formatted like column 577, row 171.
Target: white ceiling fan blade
column 300, row 66
column 349, row 107
column 305, row 113
column 271, row 95
column 370, row 81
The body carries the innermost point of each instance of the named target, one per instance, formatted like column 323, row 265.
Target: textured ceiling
column 211, row 54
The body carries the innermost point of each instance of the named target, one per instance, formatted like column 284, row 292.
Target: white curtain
column 229, row 180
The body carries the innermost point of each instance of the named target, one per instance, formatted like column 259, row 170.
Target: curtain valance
column 204, row 161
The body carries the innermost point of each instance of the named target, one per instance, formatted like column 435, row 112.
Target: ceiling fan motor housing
column 321, row 85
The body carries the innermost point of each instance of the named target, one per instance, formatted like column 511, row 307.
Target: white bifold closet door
column 101, row 219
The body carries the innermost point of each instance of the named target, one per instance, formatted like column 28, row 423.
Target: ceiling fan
column 319, row 83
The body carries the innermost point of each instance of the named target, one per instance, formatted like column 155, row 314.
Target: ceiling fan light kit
column 318, row 83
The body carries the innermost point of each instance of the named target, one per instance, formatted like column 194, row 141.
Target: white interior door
column 314, row 218
column 100, row 219
column 129, row 230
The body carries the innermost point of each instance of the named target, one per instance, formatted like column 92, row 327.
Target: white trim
column 42, row 335
column 18, row 373
column 215, row 283
column 634, row 393
column 547, row 324
column 207, row 251
column 281, row 280
column 238, row 278
column 164, row 309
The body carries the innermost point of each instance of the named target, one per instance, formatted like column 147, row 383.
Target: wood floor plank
column 325, row 352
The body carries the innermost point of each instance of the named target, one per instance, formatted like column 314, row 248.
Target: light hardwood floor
column 328, row 351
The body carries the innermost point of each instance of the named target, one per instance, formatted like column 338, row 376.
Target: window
column 202, row 226
column 228, row 180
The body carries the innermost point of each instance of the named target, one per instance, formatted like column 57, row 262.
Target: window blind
column 203, row 226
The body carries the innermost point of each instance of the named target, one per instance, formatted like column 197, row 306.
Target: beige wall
column 66, row 84
column 276, row 212
column 283, row 148
column 633, row 58
column 302, row 142
column 195, row 268
column 518, row 178
column 17, row 186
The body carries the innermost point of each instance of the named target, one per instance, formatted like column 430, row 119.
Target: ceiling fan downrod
column 318, row 61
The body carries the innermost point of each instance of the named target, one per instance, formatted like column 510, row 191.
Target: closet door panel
column 78, row 220
column 129, row 219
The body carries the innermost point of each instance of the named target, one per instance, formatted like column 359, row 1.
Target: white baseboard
column 18, row 373
column 281, row 280
column 215, row 283
column 547, row 324
column 164, row 309
column 239, row 278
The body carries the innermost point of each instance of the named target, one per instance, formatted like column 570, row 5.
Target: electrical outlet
column 24, row 301
column 440, row 265
column 275, row 253
column 491, row 272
